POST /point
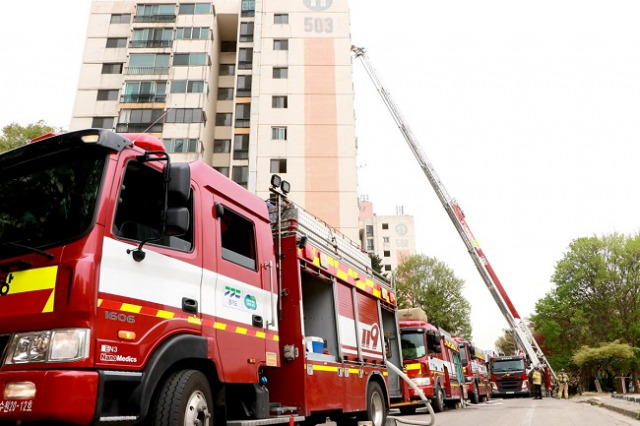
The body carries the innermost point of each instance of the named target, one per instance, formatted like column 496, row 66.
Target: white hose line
column 432, row 415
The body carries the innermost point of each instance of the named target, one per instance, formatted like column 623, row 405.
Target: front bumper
column 61, row 396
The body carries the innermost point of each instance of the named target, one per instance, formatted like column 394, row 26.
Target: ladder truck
column 521, row 330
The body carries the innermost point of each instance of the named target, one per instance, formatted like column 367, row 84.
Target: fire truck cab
column 432, row 361
column 509, row 376
column 137, row 290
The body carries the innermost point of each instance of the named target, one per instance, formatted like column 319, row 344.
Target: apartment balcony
column 150, row 43
column 154, row 18
column 142, row 98
column 139, row 128
column 146, row 70
column 242, row 123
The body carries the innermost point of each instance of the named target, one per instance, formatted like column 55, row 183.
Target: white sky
column 529, row 112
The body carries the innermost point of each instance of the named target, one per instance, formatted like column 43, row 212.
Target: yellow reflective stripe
column 324, row 368
column 219, row 326
column 48, row 307
column 33, row 279
column 241, row 330
column 165, row 314
column 127, row 307
column 261, row 334
column 194, row 320
column 415, row 366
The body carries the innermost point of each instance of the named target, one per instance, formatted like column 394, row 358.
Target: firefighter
column 563, row 382
column 536, row 378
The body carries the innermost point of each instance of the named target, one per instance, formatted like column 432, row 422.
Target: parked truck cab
column 509, row 376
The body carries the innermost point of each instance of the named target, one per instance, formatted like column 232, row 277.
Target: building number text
column 318, row 25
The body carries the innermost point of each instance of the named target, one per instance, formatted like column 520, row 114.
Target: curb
column 633, row 413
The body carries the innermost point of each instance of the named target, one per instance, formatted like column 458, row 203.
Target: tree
column 376, row 262
column 14, row 135
column 506, row 344
column 428, row 283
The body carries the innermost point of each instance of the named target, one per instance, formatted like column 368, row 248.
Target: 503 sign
column 318, row 25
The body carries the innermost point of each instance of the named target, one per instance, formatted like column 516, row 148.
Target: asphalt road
column 525, row 412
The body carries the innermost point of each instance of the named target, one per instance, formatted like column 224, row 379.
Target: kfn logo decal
column 250, row 302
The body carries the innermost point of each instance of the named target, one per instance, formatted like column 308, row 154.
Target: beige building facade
column 391, row 238
column 251, row 88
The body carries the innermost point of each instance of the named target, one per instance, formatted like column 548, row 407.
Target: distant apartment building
column 392, row 238
column 250, row 87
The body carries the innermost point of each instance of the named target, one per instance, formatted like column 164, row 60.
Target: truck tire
column 184, row 399
column 474, row 397
column 376, row 405
column 438, row 399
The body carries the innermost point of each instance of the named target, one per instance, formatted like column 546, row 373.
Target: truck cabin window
column 139, row 210
column 238, row 239
column 413, row 346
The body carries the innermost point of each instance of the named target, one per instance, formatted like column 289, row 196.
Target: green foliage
column 607, row 353
column 15, row 135
column 376, row 263
column 595, row 301
column 427, row 283
column 506, row 344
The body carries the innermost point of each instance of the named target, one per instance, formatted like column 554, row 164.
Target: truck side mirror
column 472, row 352
column 179, row 188
column 177, row 221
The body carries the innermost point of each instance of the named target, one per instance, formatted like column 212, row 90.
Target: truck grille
column 510, row 385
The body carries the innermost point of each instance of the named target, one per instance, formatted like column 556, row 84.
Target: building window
column 152, row 37
column 240, row 147
column 227, row 69
column 280, row 72
column 243, row 115
column 278, row 165
column 222, row 170
column 387, row 253
column 385, row 240
column 243, row 86
column 107, row 95
column 148, row 63
column 279, row 102
column 194, row 8
column 155, row 13
column 223, row 119
column 140, row 120
column 145, row 91
column 281, row 44
column 385, row 226
column 184, row 115
column 228, row 46
column 279, row 133
column 102, row 122
column 222, row 146
column 116, row 42
column 187, row 86
column 369, row 229
column 281, row 18
column 387, row 267
column 120, row 18
column 245, row 58
column 115, row 68
column 246, row 31
column 370, row 246
column 192, row 33
column 181, row 145
column 190, row 59
column 248, row 8
column 225, row 93
column 240, row 175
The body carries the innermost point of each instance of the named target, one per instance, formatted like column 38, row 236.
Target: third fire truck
column 475, row 371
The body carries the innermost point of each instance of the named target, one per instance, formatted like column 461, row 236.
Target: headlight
column 49, row 346
column 422, row 381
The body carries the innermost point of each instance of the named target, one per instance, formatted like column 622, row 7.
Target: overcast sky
column 529, row 112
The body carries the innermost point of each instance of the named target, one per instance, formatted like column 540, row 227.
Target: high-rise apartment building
column 391, row 238
column 251, row 87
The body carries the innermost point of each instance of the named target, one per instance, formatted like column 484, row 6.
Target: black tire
column 474, row 397
column 376, row 405
column 407, row 411
column 438, row 399
column 184, row 399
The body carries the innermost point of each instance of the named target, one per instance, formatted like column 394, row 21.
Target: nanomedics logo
column 117, row 358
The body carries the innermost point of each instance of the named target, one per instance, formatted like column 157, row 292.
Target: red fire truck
column 509, row 375
column 475, row 371
column 432, row 361
column 134, row 289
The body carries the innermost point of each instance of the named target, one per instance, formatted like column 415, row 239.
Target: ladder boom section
column 522, row 332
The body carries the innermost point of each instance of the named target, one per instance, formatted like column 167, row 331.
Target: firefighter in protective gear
column 536, row 379
column 563, row 385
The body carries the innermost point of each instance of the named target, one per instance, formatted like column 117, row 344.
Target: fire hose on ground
column 406, row 378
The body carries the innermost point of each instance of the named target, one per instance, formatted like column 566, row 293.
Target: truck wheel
column 376, row 406
column 438, row 399
column 184, row 399
column 474, row 397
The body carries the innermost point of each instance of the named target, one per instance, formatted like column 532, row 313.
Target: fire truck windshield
column 413, row 346
column 501, row 366
column 48, row 196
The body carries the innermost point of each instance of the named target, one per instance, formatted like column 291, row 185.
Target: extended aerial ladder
column 521, row 331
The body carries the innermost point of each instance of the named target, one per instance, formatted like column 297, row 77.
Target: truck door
column 392, row 350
